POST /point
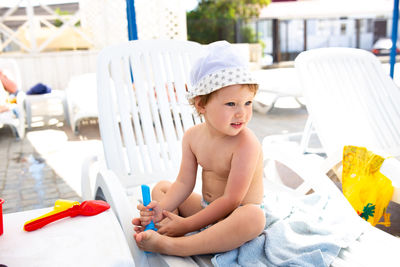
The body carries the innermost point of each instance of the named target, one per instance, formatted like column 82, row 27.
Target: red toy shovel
column 87, row 208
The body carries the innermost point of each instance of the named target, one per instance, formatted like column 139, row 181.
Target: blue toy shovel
column 146, row 201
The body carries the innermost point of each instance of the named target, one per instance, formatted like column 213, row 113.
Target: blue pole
column 395, row 22
column 131, row 16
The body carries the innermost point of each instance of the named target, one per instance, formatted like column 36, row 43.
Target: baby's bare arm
column 185, row 182
column 177, row 193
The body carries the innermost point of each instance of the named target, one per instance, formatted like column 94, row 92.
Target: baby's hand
column 147, row 215
column 173, row 226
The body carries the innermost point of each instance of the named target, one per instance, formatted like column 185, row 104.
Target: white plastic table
column 55, row 94
column 79, row 241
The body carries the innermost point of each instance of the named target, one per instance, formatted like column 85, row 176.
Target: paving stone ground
column 26, row 181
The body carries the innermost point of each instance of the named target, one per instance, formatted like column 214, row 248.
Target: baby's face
column 229, row 109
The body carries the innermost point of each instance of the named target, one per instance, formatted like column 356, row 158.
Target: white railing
column 37, row 33
column 102, row 23
column 53, row 69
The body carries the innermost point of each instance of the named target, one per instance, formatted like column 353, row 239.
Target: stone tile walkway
column 27, row 179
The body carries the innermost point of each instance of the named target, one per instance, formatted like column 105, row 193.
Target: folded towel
column 300, row 231
column 39, row 89
column 251, row 254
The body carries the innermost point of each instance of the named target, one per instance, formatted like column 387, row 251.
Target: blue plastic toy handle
column 146, row 201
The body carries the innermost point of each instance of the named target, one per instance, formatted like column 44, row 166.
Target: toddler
column 228, row 213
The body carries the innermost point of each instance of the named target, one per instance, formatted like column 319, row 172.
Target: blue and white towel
column 301, row 231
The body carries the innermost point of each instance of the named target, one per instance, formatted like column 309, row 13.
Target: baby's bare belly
column 214, row 186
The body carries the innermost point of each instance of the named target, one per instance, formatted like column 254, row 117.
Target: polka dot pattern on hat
column 220, row 79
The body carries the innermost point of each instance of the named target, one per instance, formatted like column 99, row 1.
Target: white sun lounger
column 350, row 100
column 274, row 84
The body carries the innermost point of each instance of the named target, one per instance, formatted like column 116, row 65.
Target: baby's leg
column 244, row 224
column 189, row 207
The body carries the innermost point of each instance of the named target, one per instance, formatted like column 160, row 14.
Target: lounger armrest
column 110, row 189
column 21, row 113
column 308, row 167
column 21, row 99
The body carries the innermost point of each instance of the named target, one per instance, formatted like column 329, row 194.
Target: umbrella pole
column 395, row 22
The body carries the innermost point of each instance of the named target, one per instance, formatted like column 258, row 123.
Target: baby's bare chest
column 214, row 159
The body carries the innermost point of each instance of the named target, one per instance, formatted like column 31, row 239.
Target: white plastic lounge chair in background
column 274, row 84
column 81, row 97
column 350, row 100
column 43, row 99
column 15, row 121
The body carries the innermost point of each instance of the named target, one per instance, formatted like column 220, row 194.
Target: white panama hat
column 223, row 65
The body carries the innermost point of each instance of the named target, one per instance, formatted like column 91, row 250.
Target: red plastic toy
column 65, row 208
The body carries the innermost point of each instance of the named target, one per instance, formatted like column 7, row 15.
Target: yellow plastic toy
column 364, row 186
column 67, row 208
column 59, row 206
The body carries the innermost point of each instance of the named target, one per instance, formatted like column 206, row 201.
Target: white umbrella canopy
column 327, row 9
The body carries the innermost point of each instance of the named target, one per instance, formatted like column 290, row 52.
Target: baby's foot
column 153, row 241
